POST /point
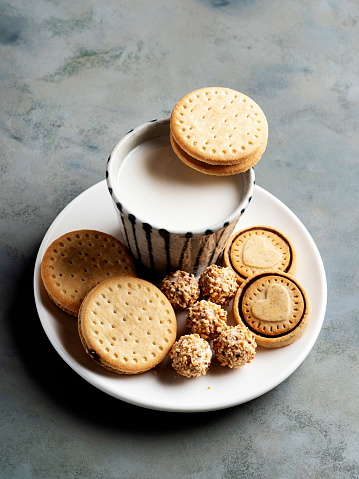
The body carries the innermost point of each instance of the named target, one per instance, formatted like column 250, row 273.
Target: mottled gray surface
column 75, row 76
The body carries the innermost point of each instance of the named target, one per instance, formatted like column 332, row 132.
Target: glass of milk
column 171, row 216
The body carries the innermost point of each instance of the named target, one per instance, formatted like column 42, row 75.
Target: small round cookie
column 218, row 126
column 191, row 356
column 206, row 319
column 257, row 249
column 274, row 307
column 127, row 325
column 75, row 262
column 181, row 289
column 235, row 346
column 218, row 284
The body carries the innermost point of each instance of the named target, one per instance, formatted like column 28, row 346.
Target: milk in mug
column 155, row 186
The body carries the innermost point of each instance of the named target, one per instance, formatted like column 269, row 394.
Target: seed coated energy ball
column 235, row 347
column 191, row 356
column 218, row 284
column 206, row 319
column 181, row 289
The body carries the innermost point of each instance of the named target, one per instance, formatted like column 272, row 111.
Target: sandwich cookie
column 216, row 170
column 74, row 263
column 127, row 325
column 257, row 249
column 218, row 131
column 274, row 307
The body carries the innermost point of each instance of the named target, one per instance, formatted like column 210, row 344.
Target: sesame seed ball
column 191, row 356
column 218, row 284
column 181, row 289
column 235, row 347
column 206, row 319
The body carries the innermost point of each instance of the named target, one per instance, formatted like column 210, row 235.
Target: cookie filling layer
column 96, row 357
column 217, row 169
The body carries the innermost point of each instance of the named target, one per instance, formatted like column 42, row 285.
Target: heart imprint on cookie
column 257, row 254
column 275, row 306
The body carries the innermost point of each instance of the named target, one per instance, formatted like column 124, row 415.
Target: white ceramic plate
column 166, row 390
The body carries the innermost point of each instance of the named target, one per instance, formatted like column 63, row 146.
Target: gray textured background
column 76, row 76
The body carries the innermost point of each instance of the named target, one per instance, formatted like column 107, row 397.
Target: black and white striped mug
column 171, row 217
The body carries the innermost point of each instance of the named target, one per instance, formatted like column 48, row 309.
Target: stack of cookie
column 126, row 324
column 218, row 131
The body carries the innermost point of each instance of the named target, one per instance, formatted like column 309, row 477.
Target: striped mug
column 171, row 217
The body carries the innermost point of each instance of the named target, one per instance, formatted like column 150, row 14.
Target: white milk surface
column 155, row 186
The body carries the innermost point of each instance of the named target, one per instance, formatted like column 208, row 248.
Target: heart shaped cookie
column 257, row 249
column 275, row 306
column 257, row 254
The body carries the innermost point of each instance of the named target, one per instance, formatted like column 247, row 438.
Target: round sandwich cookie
column 74, row 263
column 257, row 249
column 127, row 325
column 220, row 127
column 274, row 307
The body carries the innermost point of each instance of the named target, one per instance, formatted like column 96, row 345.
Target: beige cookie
column 257, row 249
column 74, row 263
column 217, row 170
column 218, row 126
column 127, row 325
column 274, row 307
